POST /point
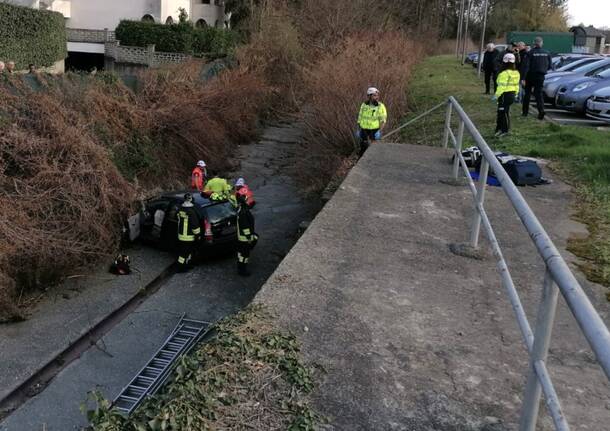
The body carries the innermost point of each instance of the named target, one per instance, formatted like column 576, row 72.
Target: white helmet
column 508, row 58
column 372, row 90
column 201, row 164
column 240, row 182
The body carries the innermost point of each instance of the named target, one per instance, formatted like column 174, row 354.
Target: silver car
column 598, row 106
column 580, row 68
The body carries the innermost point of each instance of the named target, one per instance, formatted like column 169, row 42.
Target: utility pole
column 458, row 38
column 466, row 31
column 486, row 4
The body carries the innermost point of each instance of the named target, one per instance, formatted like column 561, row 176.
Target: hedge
column 166, row 38
column 182, row 37
column 31, row 36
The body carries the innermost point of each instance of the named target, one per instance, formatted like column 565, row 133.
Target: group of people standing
column 520, row 71
column 216, row 189
column 9, row 68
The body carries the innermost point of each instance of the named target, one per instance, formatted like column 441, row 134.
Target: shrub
column 336, row 87
column 31, row 36
column 75, row 151
column 182, row 37
column 214, row 42
column 167, row 38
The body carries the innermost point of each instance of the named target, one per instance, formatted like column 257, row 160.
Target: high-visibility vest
column 188, row 225
column 198, row 178
column 508, row 81
column 219, row 186
column 371, row 116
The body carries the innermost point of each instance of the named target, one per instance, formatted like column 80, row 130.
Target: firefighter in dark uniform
column 189, row 229
column 535, row 67
column 246, row 237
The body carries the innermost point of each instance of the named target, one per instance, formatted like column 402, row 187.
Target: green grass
column 581, row 155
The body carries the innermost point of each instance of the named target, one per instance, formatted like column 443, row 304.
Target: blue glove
column 378, row 135
column 494, row 98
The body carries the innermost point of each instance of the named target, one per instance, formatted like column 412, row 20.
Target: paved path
column 210, row 292
column 411, row 336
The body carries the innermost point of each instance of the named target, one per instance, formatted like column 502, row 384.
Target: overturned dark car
column 157, row 222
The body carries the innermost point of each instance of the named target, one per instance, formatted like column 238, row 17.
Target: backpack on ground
column 524, row 172
column 121, row 265
column 471, row 156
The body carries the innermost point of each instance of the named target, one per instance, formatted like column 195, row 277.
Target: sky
column 589, row 12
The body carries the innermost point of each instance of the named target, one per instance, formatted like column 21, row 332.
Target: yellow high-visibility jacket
column 508, row 81
column 371, row 116
column 218, row 185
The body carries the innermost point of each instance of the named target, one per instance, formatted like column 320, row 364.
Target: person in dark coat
column 246, row 237
column 189, row 229
column 521, row 57
column 490, row 66
column 537, row 64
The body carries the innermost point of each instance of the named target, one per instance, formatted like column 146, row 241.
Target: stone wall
column 143, row 56
column 89, row 36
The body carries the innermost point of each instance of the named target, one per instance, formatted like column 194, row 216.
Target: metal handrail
column 558, row 276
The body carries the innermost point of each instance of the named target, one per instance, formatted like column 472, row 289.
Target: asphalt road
column 569, row 118
column 210, row 292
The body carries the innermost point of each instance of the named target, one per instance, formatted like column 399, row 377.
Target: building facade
column 106, row 14
column 588, row 40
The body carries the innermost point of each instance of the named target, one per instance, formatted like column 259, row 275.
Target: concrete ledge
column 69, row 311
column 412, row 336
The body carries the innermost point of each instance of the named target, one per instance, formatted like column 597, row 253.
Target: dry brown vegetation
column 321, row 57
column 336, row 87
column 75, row 152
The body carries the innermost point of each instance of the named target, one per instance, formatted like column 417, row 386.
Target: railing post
column 458, row 150
column 447, row 124
column 476, row 222
column 542, row 339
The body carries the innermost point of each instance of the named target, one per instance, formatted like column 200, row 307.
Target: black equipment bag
column 523, row 172
column 503, row 158
column 472, row 156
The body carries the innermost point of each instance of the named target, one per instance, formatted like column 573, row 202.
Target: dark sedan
column 159, row 222
column 573, row 95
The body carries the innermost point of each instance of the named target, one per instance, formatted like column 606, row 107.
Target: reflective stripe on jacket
column 371, row 116
column 508, row 81
column 188, row 224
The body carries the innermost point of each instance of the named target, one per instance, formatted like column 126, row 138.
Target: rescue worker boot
column 242, row 269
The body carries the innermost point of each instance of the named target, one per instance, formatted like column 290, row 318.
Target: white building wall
column 170, row 8
column 96, row 14
column 210, row 13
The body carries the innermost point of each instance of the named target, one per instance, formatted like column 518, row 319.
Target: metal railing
column 557, row 278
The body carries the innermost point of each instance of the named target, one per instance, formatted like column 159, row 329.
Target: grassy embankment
column 249, row 376
column 581, row 155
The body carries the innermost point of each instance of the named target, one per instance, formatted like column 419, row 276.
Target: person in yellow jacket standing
column 371, row 119
column 508, row 87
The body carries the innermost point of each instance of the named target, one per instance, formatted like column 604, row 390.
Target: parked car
column 158, row 221
column 473, row 57
column 561, row 60
column 573, row 96
column 554, row 80
column 598, row 106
